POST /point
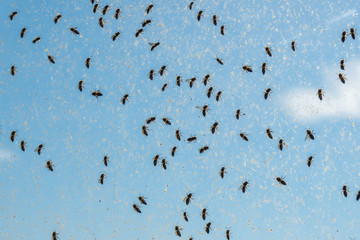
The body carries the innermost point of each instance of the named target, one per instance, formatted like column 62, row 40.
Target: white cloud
column 5, row 155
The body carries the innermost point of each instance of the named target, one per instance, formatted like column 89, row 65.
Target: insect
column 345, row 190
column 13, row 70
column 88, row 62
column 125, row 98
column 191, row 5
column 12, row 15
column 57, row 18
column 214, row 20
column 150, row 120
column 199, row 15
column 22, row 33
column 146, row 22
column 144, row 130
column 178, row 231
column 138, row 32
column 222, row 172
column 247, row 68
column 173, row 151
column 97, row 93
column 162, row 70
column 12, row 136
column 218, row 95
column 142, row 200
column 244, row 186
column 309, row 134
column 81, row 85
column 51, row 59
column 115, row 36
column 214, row 127
column 75, row 31
column 49, row 165
column 178, row 134
column 154, row 45
column 352, row 33
column 209, row 92
column 206, row 79
column 219, row 61
column 178, row 81
column 358, row 196
column 117, row 13
column 106, row 160
column 191, row 139
column 238, row 114
column 342, row 64
column 281, row 144
column 96, row 6
column 227, row 233
column 105, row 9
column 54, row 235
column 309, row 161
column 222, row 30
column 204, row 109
column 164, row 87
column 185, row 216
column 155, row 160
column 204, row 213
column 39, row 149
column 101, row 179
column 166, row 121
column 37, row 39
column 293, row 43
column 203, row 149
column 267, row 93
column 136, row 208
column 101, row 22
column 208, row 227
column 268, row 51
column 244, row 137
column 148, row 9
column 23, row 145
column 191, row 82
column 151, row 74
column 269, row 133
column 188, row 198
column 281, row 180
column 163, row 163
column 320, row 94
column 263, row 68
column 343, row 36
column 342, row 78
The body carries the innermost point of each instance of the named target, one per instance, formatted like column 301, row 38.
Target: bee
column 191, row 5
column 206, row 79
column 178, row 134
column 164, row 87
column 117, row 13
column 106, row 160
column 343, row 36
column 345, row 190
column 138, row 32
column 146, row 22
column 244, row 137
column 178, row 81
column 13, row 70
column 185, row 216
column 267, row 93
column 96, row 6
column 199, row 15
column 352, row 33
column 162, row 70
column 12, row 136
column 163, row 163
column 204, row 213
column 247, row 68
column 281, row 144
column 263, row 68
column 309, row 134
column 166, row 121
column 173, row 151
column 88, row 62
column 49, row 165
column 281, row 180
column 136, row 208
column 222, row 30
column 204, row 109
column 39, row 149
column 203, row 149
column 227, row 233
column 188, row 198
column 222, row 172
column 54, row 236
column 191, row 139
column 101, row 22
column 12, row 15
column 51, row 59
column 293, row 45
column 74, row 31
column 144, row 130
column 97, row 93
column 156, row 159
column 309, row 161
column 214, row 127
column 342, row 64
column 218, row 95
column 148, row 9
column 154, row 45
column 238, row 114
column 150, row 120
column 244, row 186
column 23, row 145
column 342, row 78
column 22, row 33
column 191, row 82
column 209, row 92
column 105, row 9
column 178, row 231
column 57, row 18
column 125, row 98
column 81, row 85
column 151, row 74
column 37, row 39
column 142, row 200
column 219, row 61
column 214, row 20
column 208, row 227
column 268, row 51
column 115, row 36
column 320, row 94
column 101, row 179
column 358, row 196
column 269, row 133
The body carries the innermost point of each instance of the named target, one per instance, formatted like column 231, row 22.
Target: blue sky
column 42, row 103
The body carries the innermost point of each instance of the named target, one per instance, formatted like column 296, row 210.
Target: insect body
column 263, row 68
column 96, row 6
column 12, row 136
column 154, row 45
column 146, row 22
column 342, row 64
column 49, row 165
column 51, row 59
column 247, row 68
column 204, row 109
column 105, row 9
column 343, row 36
column 309, row 134
column 136, row 208
column 57, row 18
column 191, row 139
column 88, row 62
column 166, row 121
column 358, row 196
column 269, row 133
column 125, row 98
column 219, row 61
column 209, row 92
column 199, row 15
column 345, row 190
column 155, row 159
column 101, row 179
column 106, row 160
column 214, row 20
column 163, row 163
column 148, row 9
column 151, row 74
column 203, row 149
column 342, row 78
column 173, row 151
column 281, row 144
column 352, row 33
column 13, row 70
column 204, row 213
column 208, row 227
column 309, row 161
column 214, row 127
column 54, row 235
column 142, row 200
column 144, row 130
column 222, row 30
column 268, row 51
column 178, row 134
column 191, row 82
column 37, row 39
column 320, row 94
column 12, row 15
column 222, row 172
column 22, row 33
column 81, row 85
column 117, row 13
column 39, row 149
column 238, row 114
column 97, row 93
column 218, row 95
column 101, row 22
column 206, row 79
column 115, row 36
column 164, row 87
column 280, row 180
column 150, row 120
column 178, row 231
column 227, row 233
column 162, row 70
column 23, row 145
column 191, row 5
column 74, row 31
column 293, row 45
column 244, row 137
column 267, row 93
column 138, row 32
column 185, row 216
column 244, row 186
column 178, row 81
column 188, row 198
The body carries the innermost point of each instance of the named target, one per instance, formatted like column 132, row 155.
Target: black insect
column 12, row 15
column 244, row 137
column 263, row 68
column 163, row 163
column 117, row 13
column 267, row 93
column 214, row 127
column 49, row 165
column 164, row 87
column 281, row 144
column 191, row 81
column 208, row 227
column 268, row 51
column 101, row 22
column 178, row 231
column 88, row 62
column 219, row 61
column 37, row 39
column 22, row 33
column 185, row 216
column 222, row 30
column 352, row 33
column 342, row 78
column 218, row 95
column 178, row 81
column 188, row 198
column 178, row 134
column 156, row 159
column 203, row 149
column 106, row 160
column 238, row 114
column 13, row 70
column 81, row 85
column 244, row 186
column 192, row 139
column 74, row 31
column 162, row 70
column 138, row 32
column 23, row 145
column 173, row 151
column 247, row 68
column 150, row 120
column 214, row 20
column 151, row 74
column 343, row 36
column 227, row 233
column 39, row 149
column 342, row 64
column 345, row 190
column 209, row 92
column 97, row 93
column 293, row 43
column 320, row 94
column 57, row 18
column 146, row 22
column 222, row 172
column 358, row 196
column 144, row 130
column 148, row 9
column 166, row 121
column 115, row 36
column 142, row 200
column 51, row 59
column 204, row 109
column 101, row 179
column 309, row 161
column 154, row 45
column 105, row 9
column 96, row 6
column 281, row 180
column 136, row 208
column 125, row 98
column 206, row 79
column 269, row 133
column 309, row 134
column 54, row 236
column 191, row 5
column 204, row 213
column 12, row 136
column 199, row 15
